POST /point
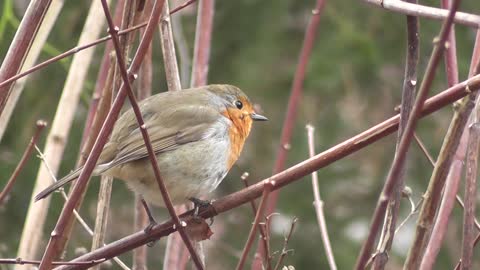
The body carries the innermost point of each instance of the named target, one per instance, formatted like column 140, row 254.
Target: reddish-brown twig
column 318, row 203
column 432, row 162
column 268, row 185
column 408, row 98
column 453, row 151
column 288, row 176
column 34, row 262
column 451, row 67
column 12, row 78
column 26, row 155
column 394, row 174
column 262, row 229
column 144, row 90
column 425, row 11
column 440, row 226
column 80, row 184
column 20, row 45
column 203, row 35
column 293, row 102
column 471, row 190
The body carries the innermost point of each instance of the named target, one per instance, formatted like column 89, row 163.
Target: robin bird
column 197, row 135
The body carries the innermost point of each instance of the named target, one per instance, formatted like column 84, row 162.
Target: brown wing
column 174, row 127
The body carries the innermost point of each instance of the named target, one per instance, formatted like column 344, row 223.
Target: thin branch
column 104, row 193
column 57, row 138
column 144, row 90
column 406, row 8
column 453, row 150
column 203, row 36
column 262, row 229
column 441, row 224
column 10, row 79
column 318, row 204
column 80, row 220
column 268, row 185
column 408, row 98
column 19, row 47
column 39, row 126
column 34, row 262
column 293, row 102
column 398, row 162
column 471, row 190
column 286, row 177
column 285, row 251
column 451, row 66
column 146, row 138
column 168, row 50
column 432, row 162
column 80, row 184
column 36, row 48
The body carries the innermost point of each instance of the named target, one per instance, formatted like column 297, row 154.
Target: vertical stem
column 144, row 90
column 408, row 99
column 203, row 36
column 470, row 192
column 318, row 203
column 40, row 125
column 19, row 47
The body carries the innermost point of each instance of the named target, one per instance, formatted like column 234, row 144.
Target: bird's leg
column 197, row 205
column 151, row 220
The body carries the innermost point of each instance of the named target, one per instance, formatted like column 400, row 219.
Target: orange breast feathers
column 238, row 131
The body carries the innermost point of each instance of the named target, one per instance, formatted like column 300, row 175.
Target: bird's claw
column 197, row 205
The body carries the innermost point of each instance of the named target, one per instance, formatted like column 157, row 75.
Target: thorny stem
column 318, row 204
column 146, row 138
column 404, row 144
column 39, row 126
column 286, row 177
column 80, row 184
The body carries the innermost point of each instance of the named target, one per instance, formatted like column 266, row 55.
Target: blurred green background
column 354, row 81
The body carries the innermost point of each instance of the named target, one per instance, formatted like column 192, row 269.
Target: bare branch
column 268, row 185
column 425, row 11
column 318, row 204
column 398, row 162
column 39, row 126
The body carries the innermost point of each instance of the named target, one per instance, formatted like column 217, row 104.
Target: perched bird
column 197, row 135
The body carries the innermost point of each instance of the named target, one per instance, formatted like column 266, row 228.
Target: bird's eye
column 239, row 104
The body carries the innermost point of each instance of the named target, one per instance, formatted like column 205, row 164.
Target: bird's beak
column 258, row 117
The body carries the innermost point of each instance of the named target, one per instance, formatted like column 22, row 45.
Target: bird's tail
column 60, row 183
